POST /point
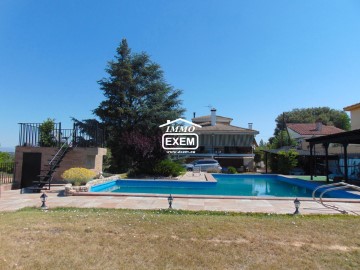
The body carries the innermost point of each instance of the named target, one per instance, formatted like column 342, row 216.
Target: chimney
column 194, row 114
column 250, row 125
column 213, row 117
column 319, row 124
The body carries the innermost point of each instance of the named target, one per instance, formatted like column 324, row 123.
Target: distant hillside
column 7, row 149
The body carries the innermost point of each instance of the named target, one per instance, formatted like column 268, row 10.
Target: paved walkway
column 12, row 200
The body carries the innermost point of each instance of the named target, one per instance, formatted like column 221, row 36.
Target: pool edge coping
column 183, row 196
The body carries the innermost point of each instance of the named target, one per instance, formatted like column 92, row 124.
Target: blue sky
column 251, row 60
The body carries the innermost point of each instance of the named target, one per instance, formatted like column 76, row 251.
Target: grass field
column 308, row 178
column 127, row 239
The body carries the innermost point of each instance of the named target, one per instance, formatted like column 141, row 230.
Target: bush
column 167, row 167
column 46, row 133
column 78, row 176
column 283, row 162
column 231, row 170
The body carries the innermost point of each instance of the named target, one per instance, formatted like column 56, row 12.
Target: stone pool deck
column 12, row 200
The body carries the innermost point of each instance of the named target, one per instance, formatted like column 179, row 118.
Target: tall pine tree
column 137, row 101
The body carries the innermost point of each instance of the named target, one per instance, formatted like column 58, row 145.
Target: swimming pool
column 226, row 185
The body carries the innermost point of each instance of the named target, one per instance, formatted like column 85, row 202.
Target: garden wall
column 90, row 158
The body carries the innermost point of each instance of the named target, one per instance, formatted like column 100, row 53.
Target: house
column 354, row 115
column 326, row 149
column 230, row 145
column 300, row 132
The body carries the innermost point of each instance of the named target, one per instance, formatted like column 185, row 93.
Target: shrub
column 46, row 133
column 287, row 161
column 78, row 176
column 167, row 167
column 231, row 170
column 283, row 162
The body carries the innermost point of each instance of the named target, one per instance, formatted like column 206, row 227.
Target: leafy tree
column 259, row 154
column 309, row 115
column 281, row 139
column 137, row 101
column 46, row 133
column 6, row 157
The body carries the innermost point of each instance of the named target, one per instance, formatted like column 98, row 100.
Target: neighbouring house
column 354, row 115
column 347, row 146
column 300, row 132
column 327, row 150
column 335, row 150
column 38, row 165
column 230, row 145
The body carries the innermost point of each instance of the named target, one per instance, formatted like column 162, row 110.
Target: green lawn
column 127, row 239
column 308, row 177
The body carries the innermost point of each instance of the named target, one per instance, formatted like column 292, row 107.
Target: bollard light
column 170, row 201
column 297, row 206
column 43, row 198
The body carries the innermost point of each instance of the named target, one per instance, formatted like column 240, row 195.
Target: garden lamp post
column 297, row 205
column 170, row 201
column 43, row 198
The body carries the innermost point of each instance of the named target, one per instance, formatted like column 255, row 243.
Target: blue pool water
column 226, row 185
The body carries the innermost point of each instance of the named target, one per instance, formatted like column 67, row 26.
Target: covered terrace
column 343, row 138
column 304, row 156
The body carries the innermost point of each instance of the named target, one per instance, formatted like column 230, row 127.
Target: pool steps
column 333, row 187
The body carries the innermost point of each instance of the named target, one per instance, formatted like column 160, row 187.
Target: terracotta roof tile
column 310, row 129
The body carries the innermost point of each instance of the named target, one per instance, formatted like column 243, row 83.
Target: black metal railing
column 7, row 172
column 30, row 135
column 91, row 137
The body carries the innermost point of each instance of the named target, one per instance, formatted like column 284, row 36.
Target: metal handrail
column 333, row 187
column 66, row 143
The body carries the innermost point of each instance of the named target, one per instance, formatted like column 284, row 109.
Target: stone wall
column 90, row 158
column 71, row 190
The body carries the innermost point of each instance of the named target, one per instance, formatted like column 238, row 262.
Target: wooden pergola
column 342, row 138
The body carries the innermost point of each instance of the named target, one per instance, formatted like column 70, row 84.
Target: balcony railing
column 30, row 135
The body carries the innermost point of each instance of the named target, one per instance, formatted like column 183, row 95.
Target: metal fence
column 30, row 135
column 7, row 172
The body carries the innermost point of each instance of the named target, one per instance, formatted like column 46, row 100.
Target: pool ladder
column 332, row 187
